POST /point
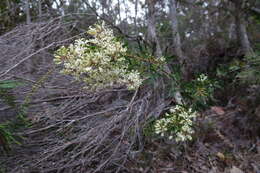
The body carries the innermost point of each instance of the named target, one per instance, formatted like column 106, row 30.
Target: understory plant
column 7, row 136
column 102, row 61
column 199, row 92
column 99, row 61
column 177, row 124
column 250, row 71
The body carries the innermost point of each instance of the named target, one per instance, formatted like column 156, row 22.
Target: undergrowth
column 7, row 136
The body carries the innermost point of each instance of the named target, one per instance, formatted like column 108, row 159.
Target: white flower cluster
column 98, row 61
column 176, row 124
column 202, row 78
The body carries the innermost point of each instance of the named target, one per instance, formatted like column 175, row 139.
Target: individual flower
column 202, row 78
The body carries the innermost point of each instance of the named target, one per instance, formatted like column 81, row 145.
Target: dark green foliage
column 10, row 14
column 7, row 137
column 149, row 129
column 9, row 84
column 245, row 71
column 250, row 72
column 199, row 92
column 5, row 91
column 6, row 129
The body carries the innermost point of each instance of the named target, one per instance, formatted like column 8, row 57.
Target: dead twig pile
column 73, row 130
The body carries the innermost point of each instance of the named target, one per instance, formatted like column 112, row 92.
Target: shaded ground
column 227, row 140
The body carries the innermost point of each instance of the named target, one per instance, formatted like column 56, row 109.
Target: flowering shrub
column 100, row 61
column 200, row 91
column 176, row 124
column 203, row 88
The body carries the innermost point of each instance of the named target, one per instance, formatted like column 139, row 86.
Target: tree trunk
column 159, row 87
column 177, row 40
column 119, row 11
column 177, row 47
column 8, row 6
column 40, row 8
column 135, row 20
column 27, row 8
column 152, row 36
column 241, row 29
column 175, row 31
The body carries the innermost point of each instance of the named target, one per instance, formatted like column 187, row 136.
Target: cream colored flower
column 98, row 61
column 178, row 123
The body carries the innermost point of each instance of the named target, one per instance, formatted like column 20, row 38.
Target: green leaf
column 10, row 84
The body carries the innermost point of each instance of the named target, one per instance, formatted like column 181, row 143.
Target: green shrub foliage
column 6, row 131
column 250, row 72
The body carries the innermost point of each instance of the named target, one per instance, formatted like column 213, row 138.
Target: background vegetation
column 147, row 86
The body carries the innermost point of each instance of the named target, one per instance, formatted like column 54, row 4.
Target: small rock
column 236, row 170
column 213, row 170
column 218, row 110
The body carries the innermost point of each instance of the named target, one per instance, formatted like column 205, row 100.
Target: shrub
column 177, row 124
column 199, row 92
column 250, row 72
column 6, row 131
column 100, row 61
column 6, row 137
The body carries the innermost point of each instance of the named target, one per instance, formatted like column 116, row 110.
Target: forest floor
column 226, row 140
